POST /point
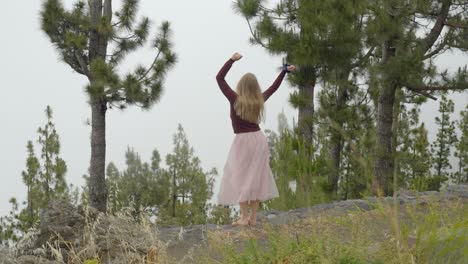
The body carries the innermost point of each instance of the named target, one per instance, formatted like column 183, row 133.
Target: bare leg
column 253, row 216
column 244, row 220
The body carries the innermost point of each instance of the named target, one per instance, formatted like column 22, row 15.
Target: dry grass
column 431, row 233
column 112, row 240
column 424, row 233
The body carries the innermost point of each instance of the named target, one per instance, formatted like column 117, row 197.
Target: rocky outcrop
column 67, row 232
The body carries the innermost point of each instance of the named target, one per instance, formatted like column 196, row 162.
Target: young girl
column 247, row 178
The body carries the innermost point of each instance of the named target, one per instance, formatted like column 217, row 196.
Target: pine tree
column 281, row 30
column 44, row 178
column 141, row 187
column 52, row 173
column 190, row 186
column 462, row 148
column 414, row 158
column 299, row 179
column 404, row 59
column 84, row 37
column 346, row 55
column 421, row 159
column 45, row 175
column 325, row 48
column 9, row 225
column 339, row 117
column 112, row 184
column 445, row 139
column 177, row 194
column 358, row 132
column 31, row 180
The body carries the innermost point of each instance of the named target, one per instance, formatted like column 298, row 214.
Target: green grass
column 434, row 233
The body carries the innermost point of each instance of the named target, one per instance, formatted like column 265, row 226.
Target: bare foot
column 240, row 222
column 252, row 222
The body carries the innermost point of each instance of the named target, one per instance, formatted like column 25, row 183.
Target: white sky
column 206, row 33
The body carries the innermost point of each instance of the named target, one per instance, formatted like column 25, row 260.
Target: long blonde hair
column 249, row 104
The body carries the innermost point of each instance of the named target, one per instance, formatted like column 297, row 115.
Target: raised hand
column 291, row 68
column 236, row 56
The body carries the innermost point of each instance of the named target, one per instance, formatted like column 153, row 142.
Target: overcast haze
column 205, row 34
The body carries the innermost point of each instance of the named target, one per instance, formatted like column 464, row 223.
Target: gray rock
column 270, row 216
column 460, row 190
column 283, row 218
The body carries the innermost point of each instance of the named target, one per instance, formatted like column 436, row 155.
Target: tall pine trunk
column 48, row 175
column 335, row 151
column 97, row 181
column 336, row 140
column 384, row 156
column 30, row 207
column 346, row 194
column 98, row 50
column 174, row 193
column 383, row 167
column 306, row 113
column 395, row 126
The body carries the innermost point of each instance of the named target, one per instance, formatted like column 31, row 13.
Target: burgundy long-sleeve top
column 238, row 124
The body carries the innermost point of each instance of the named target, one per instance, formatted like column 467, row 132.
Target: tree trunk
column 31, row 208
column 336, row 140
column 460, row 165
column 335, row 151
column 440, row 156
column 97, row 180
column 174, row 194
column 383, row 164
column 383, row 167
column 98, row 41
column 395, row 127
column 306, row 113
column 347, row 182
column 48, row 175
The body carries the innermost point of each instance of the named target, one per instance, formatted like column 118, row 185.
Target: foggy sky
column 205, row 34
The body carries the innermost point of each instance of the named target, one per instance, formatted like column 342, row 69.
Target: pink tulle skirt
column 247, row 173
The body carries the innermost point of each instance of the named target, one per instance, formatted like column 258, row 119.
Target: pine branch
column 72, row 63
column 117, row 38
column 440, row 48
column 436, row 51
column 423, row 93
column 127, row 14
column 361, row 60
column 272, row 13
column 82, row 63
column 116, row 24
column 364, row 98
column 143, row 76
column 254, row 36
column 431, row 38
column 423, row 88
column 455, row 25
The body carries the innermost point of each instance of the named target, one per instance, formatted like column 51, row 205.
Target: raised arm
column 276, row 84
column 220, row 78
